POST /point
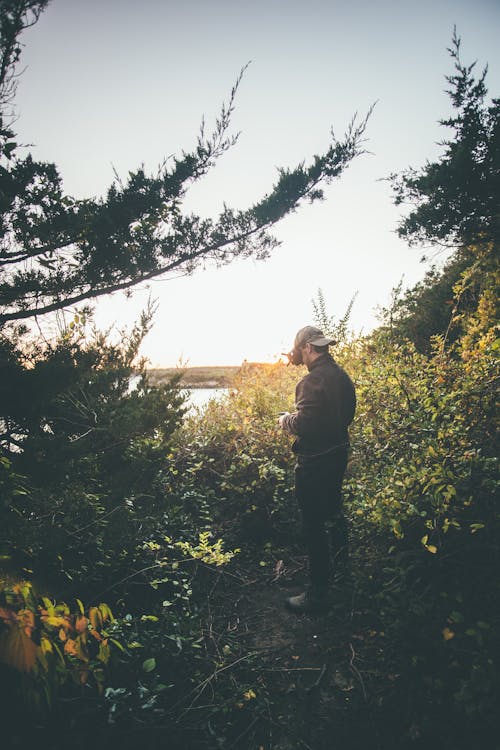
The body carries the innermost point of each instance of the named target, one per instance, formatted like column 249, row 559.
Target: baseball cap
column 312, row 335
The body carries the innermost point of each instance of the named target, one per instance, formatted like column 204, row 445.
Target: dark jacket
column 325, row 401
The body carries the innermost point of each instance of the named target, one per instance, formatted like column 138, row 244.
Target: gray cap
column 312, row 335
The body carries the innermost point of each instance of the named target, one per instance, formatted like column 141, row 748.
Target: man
column 325, row 402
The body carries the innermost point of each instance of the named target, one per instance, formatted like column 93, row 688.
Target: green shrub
column 230, row 463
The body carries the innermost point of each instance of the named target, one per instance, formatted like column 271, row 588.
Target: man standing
column 325, row 402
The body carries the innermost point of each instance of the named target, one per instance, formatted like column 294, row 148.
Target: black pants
column 318, row 489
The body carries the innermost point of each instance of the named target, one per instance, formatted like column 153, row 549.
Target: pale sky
column 111, row 84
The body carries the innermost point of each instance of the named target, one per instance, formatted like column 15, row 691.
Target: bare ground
column 282, row 681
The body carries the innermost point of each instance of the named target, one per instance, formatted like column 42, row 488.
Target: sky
column 109, row 85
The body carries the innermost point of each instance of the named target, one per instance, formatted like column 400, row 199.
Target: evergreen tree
column 456, row 204
column 456, row 199
column 57, row 251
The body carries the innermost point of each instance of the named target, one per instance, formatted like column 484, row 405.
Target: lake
column 199, row 397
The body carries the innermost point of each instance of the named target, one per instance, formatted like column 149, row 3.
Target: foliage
column 46, row 646
column 230, row 463
column 57, row 251
column 455, row 203
column 425, row 467
column 424, row 440
column 15, row 16
column 429, row 308
column 456, row 199
column 88, row 445
column 208, row 553
column 422, row 490
column 337, row 330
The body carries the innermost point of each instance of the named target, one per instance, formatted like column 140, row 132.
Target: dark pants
column 318, row 489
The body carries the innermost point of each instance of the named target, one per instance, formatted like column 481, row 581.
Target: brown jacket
column 325, row 401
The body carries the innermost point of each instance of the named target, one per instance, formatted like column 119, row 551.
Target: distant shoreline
column 216, row 376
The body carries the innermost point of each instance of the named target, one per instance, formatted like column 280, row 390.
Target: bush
column 81, row 454
column 45, row 648
column 231, row 465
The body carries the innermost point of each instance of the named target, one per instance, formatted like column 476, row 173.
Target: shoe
column 309, row 602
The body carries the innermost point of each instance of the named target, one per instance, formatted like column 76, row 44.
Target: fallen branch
column 357, row 672
column 202, row 685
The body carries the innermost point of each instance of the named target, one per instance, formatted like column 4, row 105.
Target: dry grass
column 197, row 377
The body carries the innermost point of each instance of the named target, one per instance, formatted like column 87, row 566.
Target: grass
column 212, row 376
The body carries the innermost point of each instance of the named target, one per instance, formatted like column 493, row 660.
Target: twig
column 245, row 731
column 201, row 687
column 356, row 671
column 127, row 578
column 317, row 682
column 226, row 573
column 302, row 742
column 296, row 669
column 92, row 523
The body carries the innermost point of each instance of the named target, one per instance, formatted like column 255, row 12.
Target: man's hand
column 282, row 417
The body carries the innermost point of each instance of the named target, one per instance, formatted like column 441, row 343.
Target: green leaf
column 9, row 148
column 117, row 644
column 149, row 664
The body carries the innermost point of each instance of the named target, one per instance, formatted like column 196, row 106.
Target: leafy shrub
column 81, row 453
column 45, row 647
column 230, row 464
column 422, row 501
column 423, row 442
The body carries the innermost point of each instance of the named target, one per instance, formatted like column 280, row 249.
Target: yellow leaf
column 46, row 646
column 106, row 613
column 448, row 634
column 56, row 622
column 431, row 548
column 48, row 605
column 104, row 652
column 95, row 617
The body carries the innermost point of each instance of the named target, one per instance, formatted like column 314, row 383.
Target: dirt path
column 295, row 681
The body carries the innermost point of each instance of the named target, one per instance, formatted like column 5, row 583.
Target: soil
column 295, row 681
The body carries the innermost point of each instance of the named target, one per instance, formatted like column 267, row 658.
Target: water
column 199, row 397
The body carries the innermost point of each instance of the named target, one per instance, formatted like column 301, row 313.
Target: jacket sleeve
column 307, row 415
